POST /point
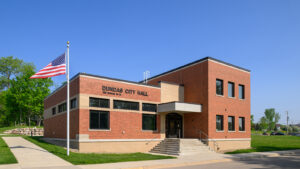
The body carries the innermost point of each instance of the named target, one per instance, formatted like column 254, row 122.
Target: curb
column 181, row 164
column 245, row 156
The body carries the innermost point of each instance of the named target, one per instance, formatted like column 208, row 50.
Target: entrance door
column 173, row 125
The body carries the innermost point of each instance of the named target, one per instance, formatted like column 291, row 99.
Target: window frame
column 130, row 106
column 152, row 104
column 233, row 123
column 222, row 123
column 155, row 122
column 222, row 89
column 243, row 91
column 233, row 89
column 63, row 107
column 99, row 102
column 99, row 122
column 243, row 124
column 72, row 101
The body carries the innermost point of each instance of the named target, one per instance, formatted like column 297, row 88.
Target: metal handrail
column 207, row 137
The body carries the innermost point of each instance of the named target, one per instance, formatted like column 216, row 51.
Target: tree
column 26, row 96
column 9, row 66
column 263, row 123
column 271, row 118
column 252, row 122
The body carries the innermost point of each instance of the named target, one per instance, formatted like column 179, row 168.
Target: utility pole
column 287, row 122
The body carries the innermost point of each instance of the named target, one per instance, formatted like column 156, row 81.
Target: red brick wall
column 194, row 79
column 129, row 122
column 56, row 127
column 226, row 106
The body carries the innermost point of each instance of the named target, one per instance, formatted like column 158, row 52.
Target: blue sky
column 122, row 39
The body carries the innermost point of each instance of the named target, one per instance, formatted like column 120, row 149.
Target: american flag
column 54, row 68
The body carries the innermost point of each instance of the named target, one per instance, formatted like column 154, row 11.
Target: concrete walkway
column 30, row 155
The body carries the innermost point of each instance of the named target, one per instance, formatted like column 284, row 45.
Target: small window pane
column 231, row 123
column 53, row 110
column 149, row 122
column 73, row 103
column 219, row 87
column 242, row 124
column 104, row 120
column 98, row 102
column 119, row 104
column 230, row 89
column 94, row 120
column 149, row 107
column 219, row 122
column 241, row 91
column 62, row 107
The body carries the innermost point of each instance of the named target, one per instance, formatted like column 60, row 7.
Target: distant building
column 207, row 97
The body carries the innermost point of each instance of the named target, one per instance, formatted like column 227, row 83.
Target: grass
column 6, row 156
column 3, row 129
column 270, row 143
column 93, row 158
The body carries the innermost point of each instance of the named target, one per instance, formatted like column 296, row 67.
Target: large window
column 97, row 102
column 149, row 122
column 241, row 91
column 53, row 110
column 120, row 104
column 242, row 124
column 230, row 89
column 219, row 122
column 73, row 103
column 62, row 107
column 219, row 87
column 99, row 119
column 231, row 123
column 149, row 107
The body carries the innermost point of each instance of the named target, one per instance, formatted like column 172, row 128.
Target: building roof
column 198, row 61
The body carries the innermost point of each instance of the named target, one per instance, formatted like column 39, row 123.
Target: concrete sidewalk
column 30, row 155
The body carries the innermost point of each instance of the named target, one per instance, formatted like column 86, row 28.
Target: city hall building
column 207, row 99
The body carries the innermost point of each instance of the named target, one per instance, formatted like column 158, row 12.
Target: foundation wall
column 229, row 145
column 117, row 146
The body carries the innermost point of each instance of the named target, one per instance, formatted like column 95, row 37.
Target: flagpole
column 68, row 101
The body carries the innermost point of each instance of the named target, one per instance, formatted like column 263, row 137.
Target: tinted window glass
column 149, row 122
column 98, row 102
column 230, row 89
column 241, row 91
column 219, row 87
column 219, row 122
column 231, row 123
column 99, row 119
column 242, row 124
column 149, row 107
column 62, row 107
column 73, row 103
column 53, row 110
column 120, row 104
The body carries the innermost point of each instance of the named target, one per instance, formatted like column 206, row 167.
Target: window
column 62, row 107
column 119, row 104
column 53, row 110
column 219, row 87
column 241, row 91
column 97, row 102
column 230, row 89
column 73, row 103
column 149, row 107
column 219, row 122
column 242, row 123
column 149, row 122
column 231, row 123
column 99, row 119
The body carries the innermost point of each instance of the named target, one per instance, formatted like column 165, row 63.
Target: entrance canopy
column 179, row 107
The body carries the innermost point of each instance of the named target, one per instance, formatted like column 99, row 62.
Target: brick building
column 207, row 99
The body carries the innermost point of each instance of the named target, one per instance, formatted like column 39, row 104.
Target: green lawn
column 271, row 143
column 6, row 156
column 93, row 158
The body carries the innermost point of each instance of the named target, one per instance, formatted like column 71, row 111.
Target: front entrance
column 173, row 125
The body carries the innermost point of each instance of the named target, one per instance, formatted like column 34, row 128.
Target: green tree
column 263, row 123
column 272, row 118
column 252, row 122
column 9, row 67
column 25, row 97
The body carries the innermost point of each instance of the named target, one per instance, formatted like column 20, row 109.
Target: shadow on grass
column 262, row 149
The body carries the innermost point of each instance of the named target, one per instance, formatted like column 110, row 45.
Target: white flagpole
column 68, row 101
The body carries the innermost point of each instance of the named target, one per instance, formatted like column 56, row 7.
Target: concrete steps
column 175, row 146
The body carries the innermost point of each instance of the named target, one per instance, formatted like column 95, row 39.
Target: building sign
column 119, row 91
